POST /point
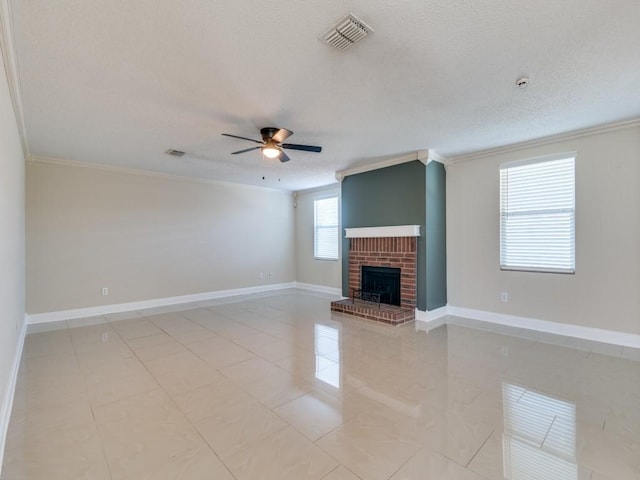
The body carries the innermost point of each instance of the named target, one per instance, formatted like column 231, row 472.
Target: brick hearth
column 383, row 313
column 396, row 252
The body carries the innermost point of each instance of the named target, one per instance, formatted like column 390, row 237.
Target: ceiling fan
column 271, row 144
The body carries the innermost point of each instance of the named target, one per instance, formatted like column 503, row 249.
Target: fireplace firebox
column 382, row 281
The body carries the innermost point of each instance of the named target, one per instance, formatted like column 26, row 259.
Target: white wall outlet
column 261, row 275
column 105, row 291
column 270, row 274
column 504, row 297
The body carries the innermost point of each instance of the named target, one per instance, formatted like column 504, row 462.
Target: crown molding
column 341, row 174
column 423, row 156
column 11, row 71
column 323, row 188
column 144, row 173
column 610, row 127
column 433, row 156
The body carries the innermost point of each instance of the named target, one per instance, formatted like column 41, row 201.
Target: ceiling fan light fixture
column 271, row 151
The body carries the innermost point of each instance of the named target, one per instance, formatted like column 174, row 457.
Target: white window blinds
column 537, row 215
column 326, row 229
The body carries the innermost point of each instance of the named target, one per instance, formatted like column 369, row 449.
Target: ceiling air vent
column 175, row 153
column 346, row 32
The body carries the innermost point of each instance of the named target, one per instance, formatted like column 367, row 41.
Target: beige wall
column 11, row 244
column 327, row 273
column 603, row 293
column 146, row 237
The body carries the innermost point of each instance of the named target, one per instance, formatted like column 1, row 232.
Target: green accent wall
column 385, row 197
column 436, row 235
column 406, row 194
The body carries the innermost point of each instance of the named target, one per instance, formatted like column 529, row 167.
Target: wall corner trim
column 433, row 156
column 10, row 390
column 423, row 156
column 430, row 319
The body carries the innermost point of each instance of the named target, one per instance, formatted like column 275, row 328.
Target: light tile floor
column 275, row 386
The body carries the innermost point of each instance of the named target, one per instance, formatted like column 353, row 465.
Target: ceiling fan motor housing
column 278, row 135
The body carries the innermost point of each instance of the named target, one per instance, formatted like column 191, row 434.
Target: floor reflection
column 539, row 439
column 277, row 386
column 327, row 349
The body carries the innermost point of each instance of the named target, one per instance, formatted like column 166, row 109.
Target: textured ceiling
column 118, row 82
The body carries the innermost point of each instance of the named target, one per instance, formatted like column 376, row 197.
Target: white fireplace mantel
column 383, row 232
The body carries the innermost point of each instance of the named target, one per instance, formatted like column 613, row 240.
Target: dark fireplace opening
column 384, row 281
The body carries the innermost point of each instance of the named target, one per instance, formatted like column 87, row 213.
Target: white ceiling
column 118, row 82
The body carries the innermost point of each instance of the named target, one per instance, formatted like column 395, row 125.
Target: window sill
column 537, row 270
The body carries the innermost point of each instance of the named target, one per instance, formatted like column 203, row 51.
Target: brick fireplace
column 394, row 247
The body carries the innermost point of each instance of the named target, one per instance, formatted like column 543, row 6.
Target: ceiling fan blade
column 246, row 150
column 242, row 138
column 283, row 157
column 281, row 135
column 304, row 148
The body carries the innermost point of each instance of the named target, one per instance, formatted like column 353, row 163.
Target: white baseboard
column 434, row 318
column 46, row 317
column 320, row 288
column 557, row 328
column 7, row 401
column 427, row 320
column 431, row 318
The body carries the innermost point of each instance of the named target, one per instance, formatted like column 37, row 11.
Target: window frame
column 531, row 161
column 315, row 226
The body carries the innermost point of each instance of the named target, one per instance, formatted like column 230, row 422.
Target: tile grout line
column 78, row 344
column 548, row 430
column 478, row 451
column 93, row 413
column 228, row 378
column 420, row 447
column 175, row 405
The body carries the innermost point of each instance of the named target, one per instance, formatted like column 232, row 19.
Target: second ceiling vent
column 346, row 32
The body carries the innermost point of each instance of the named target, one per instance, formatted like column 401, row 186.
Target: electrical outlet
column 504, row 297
column 105, row 291
column 270, row 274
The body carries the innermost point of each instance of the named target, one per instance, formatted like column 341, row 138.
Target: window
column 537, row 215
column 326, row 231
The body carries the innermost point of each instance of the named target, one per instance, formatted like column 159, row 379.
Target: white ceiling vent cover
column 346, row 32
